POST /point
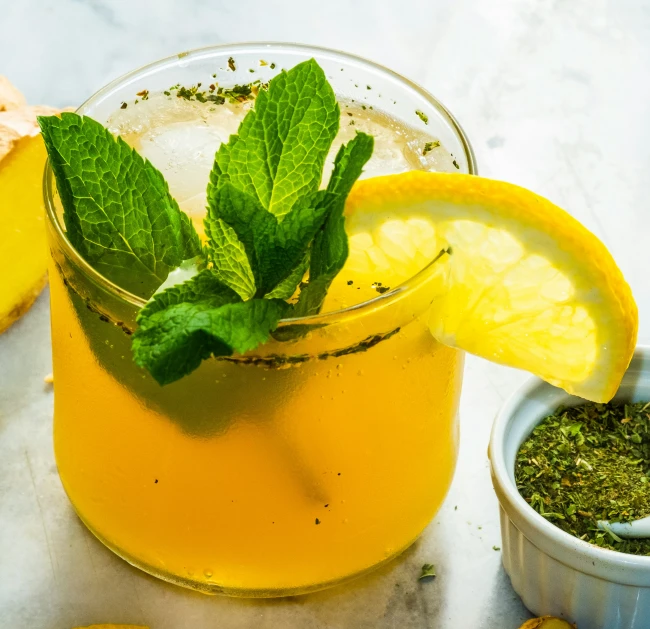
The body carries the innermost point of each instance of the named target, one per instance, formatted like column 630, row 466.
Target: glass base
column 215, row 588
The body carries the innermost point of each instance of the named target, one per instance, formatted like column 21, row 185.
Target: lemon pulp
column 525, row 284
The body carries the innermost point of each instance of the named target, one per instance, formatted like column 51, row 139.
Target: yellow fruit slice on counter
column 23, row 251
column 526, row 284
column 547, row 622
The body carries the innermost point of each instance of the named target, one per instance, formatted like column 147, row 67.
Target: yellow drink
column 364, row 443
column 300, row 465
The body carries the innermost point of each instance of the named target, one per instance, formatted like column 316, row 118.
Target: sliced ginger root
column 23, row 251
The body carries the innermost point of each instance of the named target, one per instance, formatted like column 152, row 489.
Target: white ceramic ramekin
column 554, row 572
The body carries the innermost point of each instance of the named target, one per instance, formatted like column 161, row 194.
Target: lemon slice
column 526, row 284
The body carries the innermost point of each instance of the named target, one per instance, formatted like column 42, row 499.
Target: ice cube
column 184, row 153
column 425, row 153
column 179, row 137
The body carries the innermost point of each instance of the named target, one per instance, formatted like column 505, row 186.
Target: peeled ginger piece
column 23, row 251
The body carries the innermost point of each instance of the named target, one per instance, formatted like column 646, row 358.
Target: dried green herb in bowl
column 589, row 463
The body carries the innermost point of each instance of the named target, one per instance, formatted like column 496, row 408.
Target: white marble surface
column 554, row 96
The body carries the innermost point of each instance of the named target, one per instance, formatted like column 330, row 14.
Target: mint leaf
column 280, row 149
column 228, row 255
column 204, row 286
column 202, row 317
column 118, row 211
column 274, row 248
column 286, row 288
column 312, row 296
column 173, row 342
column 329, row 250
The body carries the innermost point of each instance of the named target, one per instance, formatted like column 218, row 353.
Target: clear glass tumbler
column 286, row 470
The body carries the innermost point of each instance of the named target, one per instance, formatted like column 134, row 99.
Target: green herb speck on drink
column 239, row 93
column 587, row 464
column 422, row 116
column 429, row 146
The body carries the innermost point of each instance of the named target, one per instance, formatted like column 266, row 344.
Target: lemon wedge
column 526, row 284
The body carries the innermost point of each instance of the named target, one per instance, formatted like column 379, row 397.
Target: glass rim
column 322, row 318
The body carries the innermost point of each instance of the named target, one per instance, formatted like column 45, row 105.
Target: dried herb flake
column 429, row 146
column 422, row 116
column 588, row 463
column 428, row 570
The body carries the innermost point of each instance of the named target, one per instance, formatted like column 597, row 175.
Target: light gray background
column 553, row 95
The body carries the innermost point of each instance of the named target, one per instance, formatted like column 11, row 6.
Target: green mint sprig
column 267, row 223
column 281, row 145
column 202, row 317
column 329, row 250
column 117, row 208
